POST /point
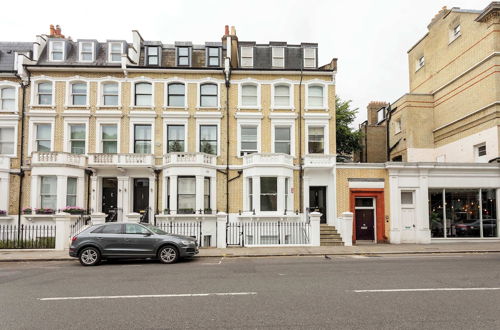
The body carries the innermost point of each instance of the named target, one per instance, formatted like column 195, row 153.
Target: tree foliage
column 348, row 139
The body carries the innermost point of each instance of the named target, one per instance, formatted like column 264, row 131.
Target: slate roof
column 7, row 52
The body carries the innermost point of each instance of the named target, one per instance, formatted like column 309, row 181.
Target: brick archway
column 378, row 194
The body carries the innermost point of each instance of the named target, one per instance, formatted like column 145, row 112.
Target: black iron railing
column 80, row 224
column 27, row 236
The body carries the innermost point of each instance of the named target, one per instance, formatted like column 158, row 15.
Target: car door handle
column 98, row 237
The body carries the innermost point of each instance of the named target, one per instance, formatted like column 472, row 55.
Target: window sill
column 454, row 38
column 418, row 69
column 175, row 108
column 86, row 107
column 208, row 108
column 46, row 106
column 282, row 108
column 142, row 107
column 118, row 106
column 249, row 108
column 316, row 108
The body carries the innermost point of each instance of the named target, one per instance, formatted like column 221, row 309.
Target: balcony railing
column 121, row 160
column 4, row 163
column 58, row 158
column 189, row 158
column 268, row 159
column 319, row 160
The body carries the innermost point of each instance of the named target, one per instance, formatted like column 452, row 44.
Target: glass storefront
column 462, row 213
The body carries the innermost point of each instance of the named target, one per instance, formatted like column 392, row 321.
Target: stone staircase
column 329, row 236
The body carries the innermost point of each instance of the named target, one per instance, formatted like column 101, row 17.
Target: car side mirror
column 147, row 234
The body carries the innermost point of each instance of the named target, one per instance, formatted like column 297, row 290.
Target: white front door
column 408, row 217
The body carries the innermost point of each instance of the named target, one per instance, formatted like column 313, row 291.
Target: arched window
column 176, row 95
column 44, row 93
column 249, row 95
column 143, row 94
column 110, row 93
column 78, row 93
column 208, row 95
column 282, row 95
column 315, row 96
column 7, row 98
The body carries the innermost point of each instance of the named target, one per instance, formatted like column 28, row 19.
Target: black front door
column 141, row 197
column 317, row 201
column 110, row 198
column 365, row 224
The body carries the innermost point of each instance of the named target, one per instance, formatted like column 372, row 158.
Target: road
column 425, row 292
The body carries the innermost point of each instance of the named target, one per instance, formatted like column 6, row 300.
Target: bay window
column 71, row 190
column 142, row 139
column 48, row 192
column 43, row 140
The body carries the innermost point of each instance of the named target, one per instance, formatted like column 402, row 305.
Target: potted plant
column 27, row 210
column 207, row 211
column 166, row 211
column 3, row 212
column 186, row 211
column 44, row 211
column 73, row 210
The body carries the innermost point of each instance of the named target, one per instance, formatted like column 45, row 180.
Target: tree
column 348, row 139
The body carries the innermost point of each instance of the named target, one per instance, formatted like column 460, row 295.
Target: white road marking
column 153, row 296
column 427, row 290
column 220, row 261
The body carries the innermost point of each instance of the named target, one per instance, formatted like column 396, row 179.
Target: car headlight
column 187, row 242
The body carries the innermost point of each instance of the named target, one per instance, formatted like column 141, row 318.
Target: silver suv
column 130, row 240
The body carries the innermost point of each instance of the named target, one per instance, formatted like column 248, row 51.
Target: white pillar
column 98, row 218
column 256, row 194
column 305, row 193
column 221, row 229
column 94, row 193
column 4, row 191
column 62, row 188
column 209, row 228
column 422, row 230
column 173, row 194
column 35, row 192
column 281, row 195
column 152, row 198
column 498, row 212
column 395, row 207
column 123, row 201
column 315, row 218
column 80, row 191
column 346, row 232
column 63, row 230
column 213, row 193
column 200, row 185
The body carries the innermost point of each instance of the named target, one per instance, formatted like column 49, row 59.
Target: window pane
column 213, row 61
column 142, row 132
column 490, row 220
column 86, row 56
column 110, row 89
column 153, row 50
column 72, row 186
column 208, row 132
column 110, row 100
column 282, row 133
column 116, row 48
column 407, row 197
column 153, row 60
column 109, row 147
column 6, row 140
column 79, row 88
column 87, row 47
column 43, row 146
column 249, row 133
column 176, row 89
column 109, row 132
column 44, row 99
column 143, row 88
column 213, row 51
column 48, row 192
column 176, row 101
column 183, row 60
column 57, row 46
column 77, row 132
column 112, row 229
column 187, row 185
column 462, row 213
column 43, row 131
column 268, row 203
column 57, row 56
column 116, row 57
column 209, row 89
column 8, row 93
column 282, row 147
column 183, row 51
column 79, row 99
column 143, row 100
column 78, row 147
column 142, row 147
column 208, row 101
column 45, row 88
column 175, row 132
column 363, row 202
column 316, row 140
column 134, row 229
column 268, row 185
column 282, row 91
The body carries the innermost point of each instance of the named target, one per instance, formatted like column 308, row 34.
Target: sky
column 369, row 38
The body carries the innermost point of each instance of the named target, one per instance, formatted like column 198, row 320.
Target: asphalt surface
column 430, row 292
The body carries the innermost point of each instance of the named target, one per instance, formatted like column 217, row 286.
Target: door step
column 329, row 236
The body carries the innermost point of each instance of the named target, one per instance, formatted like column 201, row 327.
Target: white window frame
column 67, row 193
column 40, row 190
column 178, row 122
column 10, row 124
column 141, row 121
column 207, row 58
column 243, row 49
column 291, row 105
column 258, row 106
column 110, row 47
column 276, row 56
column 207, row 121
column 198, row 98
column 51, row 50
column 420, row 63
column 68, row 121
column 158, row 55
column 10, row 84
column 380, row 119
column 98, row 140
column 80, row 51
column 309, row 57
column 480, row 158
column 283, row 123
column 325, row 96
column 69, row 94
column 255, row 175
column 177, row 56
column 165, row 101
column 326, row 137
column 32, row 132
column 454, row 34
column 132, row 94
column 248, row 122
column 100, row 102
column 34, row 94
column 397, row 126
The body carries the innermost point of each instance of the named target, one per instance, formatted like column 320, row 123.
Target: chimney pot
column 233, row 31
column 226, row 30
column 52, row 30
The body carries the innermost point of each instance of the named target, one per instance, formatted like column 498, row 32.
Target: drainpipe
column 388, row 121
column 24, row 85
column 157, row 176
column 301, row 169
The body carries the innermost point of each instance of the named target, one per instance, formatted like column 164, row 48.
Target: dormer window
column 153, row 55
column 456, row 30
column 278, row 57
column 183, row 56
column 115, row 51
column 86, row 51
column 213, row 56
column 420, row 62
column 57, row 50
column 247, row 57
column 309, row 57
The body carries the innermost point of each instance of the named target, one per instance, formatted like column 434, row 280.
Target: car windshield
column 155, row 230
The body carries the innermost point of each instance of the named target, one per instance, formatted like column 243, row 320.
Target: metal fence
column 268, row 233
column 27, row 237
column 80, row 224
column 187, row 228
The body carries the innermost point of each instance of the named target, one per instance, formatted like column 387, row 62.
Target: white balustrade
column 319, row 160
column 59, row 158
column 189, row 158
column 267, row 159
column 121, row 160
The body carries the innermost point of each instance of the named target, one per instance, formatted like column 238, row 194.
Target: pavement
column 361, row 249
column 419, row 291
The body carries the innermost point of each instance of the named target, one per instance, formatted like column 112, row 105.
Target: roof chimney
column 52, row 30
column 226, row 30
column 233, row 31
column 55, row 32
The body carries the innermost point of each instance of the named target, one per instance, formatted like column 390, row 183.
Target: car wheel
column 168, row 254
column 90, row 256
